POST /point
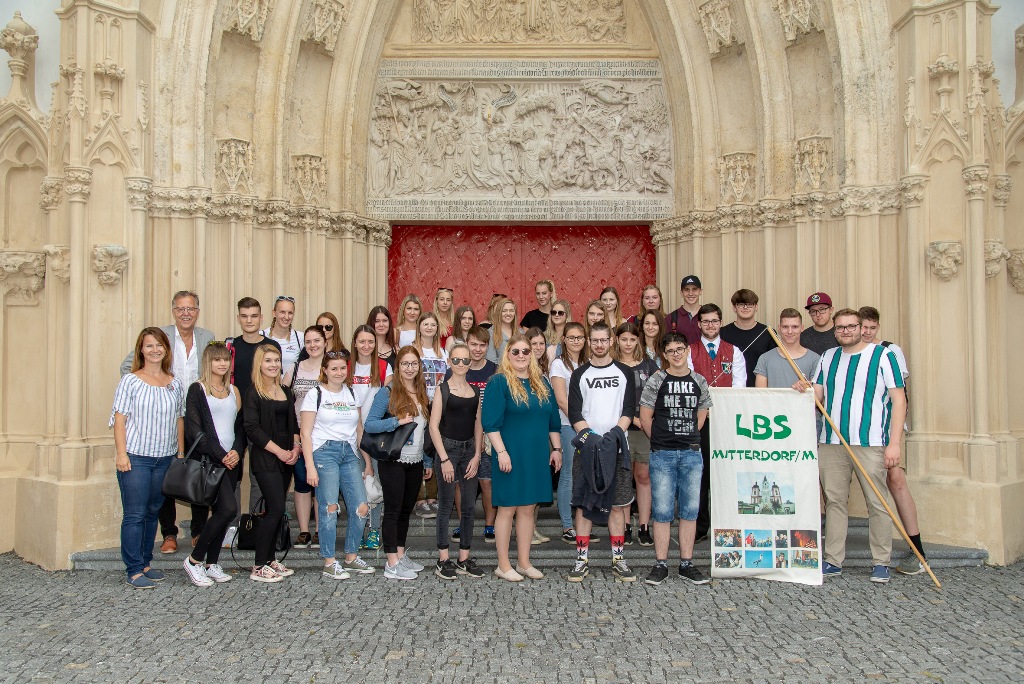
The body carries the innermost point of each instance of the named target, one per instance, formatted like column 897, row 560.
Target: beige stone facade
column 253, row 147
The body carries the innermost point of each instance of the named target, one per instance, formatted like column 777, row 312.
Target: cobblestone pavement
column 90, row 627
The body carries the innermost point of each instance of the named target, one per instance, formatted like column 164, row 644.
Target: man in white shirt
column 896, row 477
column 187, row 345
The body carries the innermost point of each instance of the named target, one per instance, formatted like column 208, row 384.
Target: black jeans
column 225, row 508
column 459, row 453
column 274, row 488
column 167, row 516
column 400, row 483
column 704, row 515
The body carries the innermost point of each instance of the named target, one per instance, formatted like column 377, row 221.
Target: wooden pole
column 895, row 518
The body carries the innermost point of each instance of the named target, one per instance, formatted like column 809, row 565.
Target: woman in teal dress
column 520, row 417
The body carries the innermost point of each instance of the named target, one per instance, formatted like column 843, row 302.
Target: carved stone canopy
column 60, row 261
column 945, row 258
column 21, row 276
column 109, row 262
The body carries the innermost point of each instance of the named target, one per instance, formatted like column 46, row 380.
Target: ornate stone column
column 77, row 187
column 138, row 193
column 976, row 187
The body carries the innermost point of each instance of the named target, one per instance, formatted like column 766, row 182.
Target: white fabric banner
column 765, row 510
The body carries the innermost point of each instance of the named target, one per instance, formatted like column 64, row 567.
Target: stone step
column 553, row 554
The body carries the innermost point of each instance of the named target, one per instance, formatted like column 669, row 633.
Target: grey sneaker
column 410, row 564
column 398, row 572
column 622, row 572
column 359, row 566
column 335, row 571
column 910, row 566
column 580, row 570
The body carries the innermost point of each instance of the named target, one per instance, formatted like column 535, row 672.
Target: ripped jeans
column 339, row 469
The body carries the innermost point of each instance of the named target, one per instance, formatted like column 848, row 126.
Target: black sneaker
column 468, row 567
column 691, row 573
column 302, row 541
column 489, row 534
column 569, row 536
column 643, row 536
column 457, row 534
column 657, row 575
column 628, row 536
column 622, row 572
column 446, row 569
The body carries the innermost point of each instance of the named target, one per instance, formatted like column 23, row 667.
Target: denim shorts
column 675, row 478
column 301, row 486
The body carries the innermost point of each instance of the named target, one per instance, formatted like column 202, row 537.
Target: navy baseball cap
column 690, row 280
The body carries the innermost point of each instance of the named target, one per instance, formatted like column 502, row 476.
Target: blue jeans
column 675, row 476
column 565, row 477
column 141, row 500
column 339, row 468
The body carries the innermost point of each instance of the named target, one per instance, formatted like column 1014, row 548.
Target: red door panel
column 477, row 261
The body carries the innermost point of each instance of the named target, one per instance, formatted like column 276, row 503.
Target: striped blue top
column 152, row 415
column 857, row 394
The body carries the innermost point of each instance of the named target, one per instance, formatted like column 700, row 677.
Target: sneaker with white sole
column 880, row 574
column 622, row 572
column 910, row 566
column 265, row 573
column 398, row 572
column 335, row 571
column 217, row 574
column 446, row 569
column 410, row 564
column 197, row 574
column 692, row 573
column 469, row 568
column 359, row 566
column 280, row 569
column 580, row 570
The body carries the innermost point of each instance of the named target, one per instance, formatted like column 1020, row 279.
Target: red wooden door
column 477, row 261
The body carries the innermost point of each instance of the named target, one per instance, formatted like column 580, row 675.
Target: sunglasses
column 284, row 298
column 328, row 327
column 340, row 354
column 460, row 362
column 498, row 294
column 446, row 289
column 519, row 352
column 557, row 313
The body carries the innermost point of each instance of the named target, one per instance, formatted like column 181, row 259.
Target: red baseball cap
column 818, row 298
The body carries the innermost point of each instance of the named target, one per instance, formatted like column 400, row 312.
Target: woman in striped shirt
column 148, row 421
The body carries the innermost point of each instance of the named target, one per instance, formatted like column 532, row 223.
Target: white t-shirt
column 361, row 386
column 291, row 347
column 338, row 416
column 558, row 370
column 412, row 452
column 406, row 337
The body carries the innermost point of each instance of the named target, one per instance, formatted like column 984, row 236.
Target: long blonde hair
column 552, row 335
column 214, row 350
column 263, row 386
column 496, row 332
column 445, row 322
column 401, row 307
column 537, row 382
column 418, row 340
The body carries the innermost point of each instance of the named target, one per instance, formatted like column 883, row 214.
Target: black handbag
column 248, row 528
column 195, row 480
column 387, row 446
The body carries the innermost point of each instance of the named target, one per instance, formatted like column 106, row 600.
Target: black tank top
column 458, row 418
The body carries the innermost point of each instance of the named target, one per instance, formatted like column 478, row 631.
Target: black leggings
column 274, row 488
column 225, row 508
column 400, row 483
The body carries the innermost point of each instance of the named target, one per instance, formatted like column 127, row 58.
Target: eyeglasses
column 460, row 362
column 185, row 309
column 606, row 340
column 575, row 338
column 340, row 354
column 711, row 323
column 557, row 313
column 675, row 351
column 284, row 298
column 519, row 352
column 410, row 364
column 819, row 310
column 847, row 328
column 744, row 306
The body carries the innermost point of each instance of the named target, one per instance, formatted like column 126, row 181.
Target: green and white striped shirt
column 857, row 394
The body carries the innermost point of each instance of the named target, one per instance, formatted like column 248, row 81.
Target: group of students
column 608, row 411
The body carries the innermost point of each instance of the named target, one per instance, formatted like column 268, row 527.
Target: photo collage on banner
column 765, row 510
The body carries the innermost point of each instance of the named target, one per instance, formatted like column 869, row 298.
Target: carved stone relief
column 546, row 141
column 945, row 258
column 234, row 166
column 18, row 39
column 109, row 75
column 178, row 201
column 138, row 190
column 309, row 180
column 1001, row 192
column 719, row 27
column 866, row 200
column 1015, row 267
column 975, row 182
column 798, row 16
column 737, row 177
column 77, row 104
column 77, row 183
column 21, row 276
column 995, row 252
column 519, row 21
column 60, row 261
column 109, row 262
column 813, row 163
column 51, row 192
column 912, row 190
column 249, row 17
column 324, row 23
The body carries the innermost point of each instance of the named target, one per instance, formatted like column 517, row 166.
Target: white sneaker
column 410, row 564
column 398, row 571
column 229, row 537
column 280, row 569
column 359, row 566
column 335, row 571
column 217, row 574
column 265, row 573
column 197, row 574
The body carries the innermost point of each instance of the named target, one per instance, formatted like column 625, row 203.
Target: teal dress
column 524, row 429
